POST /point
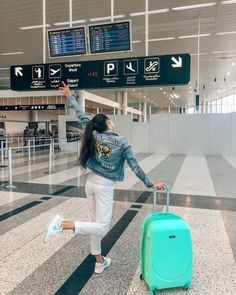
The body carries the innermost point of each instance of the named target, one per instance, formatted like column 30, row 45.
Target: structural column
column 144, row 112
column 81, row 99
column 125, row 102
column 33, row 116
column 140, row 109
column 119, row 100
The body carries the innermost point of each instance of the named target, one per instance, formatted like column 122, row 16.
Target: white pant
column 99, row 192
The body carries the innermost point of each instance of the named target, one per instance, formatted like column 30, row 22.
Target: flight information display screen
column 67, row 42
column 111, row 37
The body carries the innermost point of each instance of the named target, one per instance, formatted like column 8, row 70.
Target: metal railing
column 7, row 149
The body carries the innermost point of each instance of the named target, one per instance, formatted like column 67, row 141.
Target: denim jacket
column 111, row 152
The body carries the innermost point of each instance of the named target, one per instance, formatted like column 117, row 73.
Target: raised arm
column 79, row 112
column 135, row 167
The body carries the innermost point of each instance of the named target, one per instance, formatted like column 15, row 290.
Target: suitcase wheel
column 154, row 292
column 141, row 277
column 186, row 287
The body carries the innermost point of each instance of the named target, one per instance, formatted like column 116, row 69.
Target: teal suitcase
column 166, row 259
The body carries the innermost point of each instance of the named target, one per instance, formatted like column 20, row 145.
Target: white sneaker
column 54, row 228
column 100, row 267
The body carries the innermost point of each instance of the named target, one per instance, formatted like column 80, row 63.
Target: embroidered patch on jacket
column 103, row 151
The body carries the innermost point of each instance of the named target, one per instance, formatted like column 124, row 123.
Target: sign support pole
column 70, row 13
column 112, row 10
column 44, row 31
column 146, row 28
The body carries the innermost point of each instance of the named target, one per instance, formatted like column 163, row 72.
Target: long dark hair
column 87, row 149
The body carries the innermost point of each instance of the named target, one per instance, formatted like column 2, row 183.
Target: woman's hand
column 65, row 90
column 160, row 185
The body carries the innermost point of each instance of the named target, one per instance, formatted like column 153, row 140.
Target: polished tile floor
column 203, row 192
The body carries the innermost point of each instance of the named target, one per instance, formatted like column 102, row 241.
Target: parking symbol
column 152, row 65
column 38, row 72
column 111, row 68
column 131, row 67
column 55, row 71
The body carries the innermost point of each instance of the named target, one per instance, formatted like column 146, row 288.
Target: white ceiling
column 219, row 51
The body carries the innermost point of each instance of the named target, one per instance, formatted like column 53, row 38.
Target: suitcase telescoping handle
column 167, row 199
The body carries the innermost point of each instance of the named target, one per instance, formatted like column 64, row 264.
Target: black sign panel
column 115, row 73
column 67, row 42
column 42, row 107
column 109, row 37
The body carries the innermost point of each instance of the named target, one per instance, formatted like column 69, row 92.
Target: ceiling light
column 97, row 19
column 133, row 89
column 233, row 64
column 137, row 41
column 194, row 6
column 3, row 69
column 203, row 53
column 150, row 12
column 34, row 27
column 225, row 51
column 160, row 88
column 159, row 11
column 175, row 95
column 193, row 36
column 137, row 13
column 228, row 2
column 4, row 78
column 12, row 53
column 190, row 87
column 81, row 21
column 161, row 39
column 228, row 74
column 226, row 33
column 164, row 92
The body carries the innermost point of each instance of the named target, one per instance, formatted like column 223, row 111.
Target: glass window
column 219, row 105
column 225, row 104
column 214, row 106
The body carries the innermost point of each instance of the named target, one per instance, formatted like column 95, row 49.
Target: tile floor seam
column 226, row 230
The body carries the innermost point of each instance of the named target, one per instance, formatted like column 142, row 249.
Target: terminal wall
column 15, row 122
column 70, row 146
column 213, row 134
column 194, row 134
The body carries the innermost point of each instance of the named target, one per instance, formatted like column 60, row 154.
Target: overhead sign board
column 114, row 73
column 42, row 107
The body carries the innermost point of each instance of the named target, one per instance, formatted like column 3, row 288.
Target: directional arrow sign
column 18, row 71
column 177, row 63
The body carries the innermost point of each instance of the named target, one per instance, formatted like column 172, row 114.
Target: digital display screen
column 110, row 37
column 67, row 42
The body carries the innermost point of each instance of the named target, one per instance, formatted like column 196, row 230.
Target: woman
column 104, row 152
